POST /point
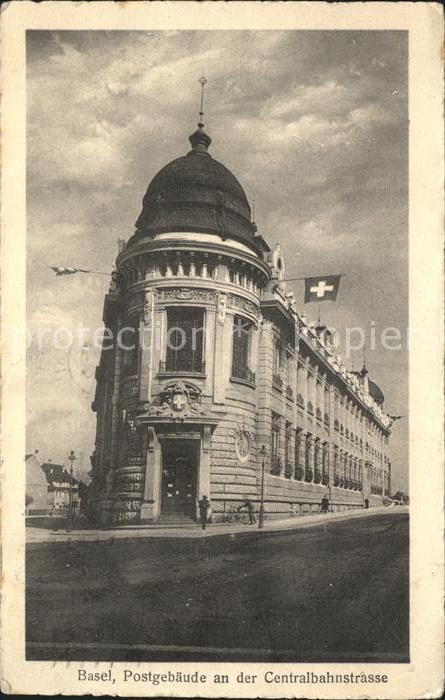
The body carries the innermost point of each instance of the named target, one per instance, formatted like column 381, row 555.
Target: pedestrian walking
column 251, row 510
column 204, row 505
column 366, row 503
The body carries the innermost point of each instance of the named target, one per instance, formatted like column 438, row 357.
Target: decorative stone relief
column 149, row 297
column 128, row 482
column 131, row 443
column 276, row 264
column 178, row 400
column 244, row 305
column 186, row 294
column 222, row 306
column 243, row 444
column 127, row 510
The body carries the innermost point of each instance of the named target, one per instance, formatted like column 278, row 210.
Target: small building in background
column 36, row 501
column 58, row 486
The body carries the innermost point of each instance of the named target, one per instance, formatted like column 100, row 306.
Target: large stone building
column 223, row 365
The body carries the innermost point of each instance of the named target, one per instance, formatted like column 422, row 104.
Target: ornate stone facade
column 221, row 365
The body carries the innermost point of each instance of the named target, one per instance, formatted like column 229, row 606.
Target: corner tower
column 176, row 396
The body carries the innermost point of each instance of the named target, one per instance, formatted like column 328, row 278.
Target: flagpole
column 295, row 279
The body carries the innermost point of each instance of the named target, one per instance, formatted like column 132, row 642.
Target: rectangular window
column 288, row 466
column 275, row 466
column 242, row 332
column 277, row 380
column 129, row 342
column 277, row 357
column 185, row 340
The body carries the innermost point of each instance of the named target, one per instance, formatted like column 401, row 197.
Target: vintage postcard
column 222, row 341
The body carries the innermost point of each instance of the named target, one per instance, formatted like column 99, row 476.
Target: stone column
column 305, row 387
column 147, row 339
column 115, row 410
column 151, row 506
column 222, row 349
column 310, row 453
column 302, row 453
column 297, row 449
column 317, row 456
column 324, row 400
column 343, row 458
column 333, row 458
column 326, row 455
column 264, row 384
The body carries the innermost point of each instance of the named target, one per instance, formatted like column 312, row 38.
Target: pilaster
column 222, row 349
column 151, row 506
column 147, row 342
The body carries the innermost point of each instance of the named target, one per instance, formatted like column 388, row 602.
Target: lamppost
column 72, row 457
column 261, row 513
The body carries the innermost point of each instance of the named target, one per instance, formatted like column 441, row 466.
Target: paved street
column 335, row 592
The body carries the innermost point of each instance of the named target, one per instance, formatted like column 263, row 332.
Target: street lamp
column 72, row 457
column 261, row 513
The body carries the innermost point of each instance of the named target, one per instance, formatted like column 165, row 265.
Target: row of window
column 185, row 354
column 303, row 465
column 204, row 270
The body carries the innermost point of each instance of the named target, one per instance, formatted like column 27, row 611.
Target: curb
column 278, row 526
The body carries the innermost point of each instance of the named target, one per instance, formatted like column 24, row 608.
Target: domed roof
column 196, row 193
column 376, row 392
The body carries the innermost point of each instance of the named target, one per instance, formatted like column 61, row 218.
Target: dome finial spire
column 199, row 139
column 203, row 81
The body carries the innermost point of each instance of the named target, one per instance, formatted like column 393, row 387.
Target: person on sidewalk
column 325, row 504
column 204, row 505
column 251, row 510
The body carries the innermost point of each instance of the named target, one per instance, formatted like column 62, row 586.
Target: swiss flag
column 321, row 288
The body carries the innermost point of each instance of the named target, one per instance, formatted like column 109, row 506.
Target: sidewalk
column 194, row 530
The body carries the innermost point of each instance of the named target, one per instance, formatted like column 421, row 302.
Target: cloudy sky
column 314, row 125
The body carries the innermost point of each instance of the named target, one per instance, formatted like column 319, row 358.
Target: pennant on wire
column 67, row 270
column 72, row 271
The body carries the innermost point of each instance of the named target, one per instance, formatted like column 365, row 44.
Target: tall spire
column 199, row 139
column 203, row 81
column 364, row 368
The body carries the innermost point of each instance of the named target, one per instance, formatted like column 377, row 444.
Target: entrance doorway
column 179, row 476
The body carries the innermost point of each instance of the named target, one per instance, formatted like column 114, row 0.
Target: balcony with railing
column 243, row 375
